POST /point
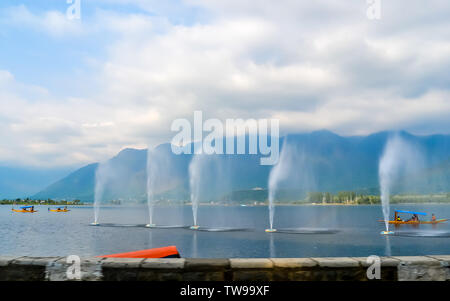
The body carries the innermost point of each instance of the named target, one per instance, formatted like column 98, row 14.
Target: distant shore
column 216, row 204
column 41, row 203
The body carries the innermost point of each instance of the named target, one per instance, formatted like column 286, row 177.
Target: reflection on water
column 167, row 227
column 221, row 229
column 118, row 225
column 388, row 246
column 150, row 240
column 194, row 246
column 435, row 233
column 272, row 246
column 320, row 231
column 307, row 231
column 139, row 226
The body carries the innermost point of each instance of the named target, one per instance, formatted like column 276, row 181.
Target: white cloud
column 313, row 65
column 53, row 22
column 56, row 23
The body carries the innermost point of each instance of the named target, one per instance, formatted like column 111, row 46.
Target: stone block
column 60, row 269
column 122, row 262
column 164, row 263
column 444, row 259
column 206, row 264
column 417, row 260
column 385, row 261
column 6, row 260
column 293, row 263
column 336, row 262
column 251, row 263
column 422, row 273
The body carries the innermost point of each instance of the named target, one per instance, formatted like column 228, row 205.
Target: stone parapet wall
column 434, row 267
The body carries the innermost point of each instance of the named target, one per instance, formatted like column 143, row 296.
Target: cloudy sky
column 78, row 91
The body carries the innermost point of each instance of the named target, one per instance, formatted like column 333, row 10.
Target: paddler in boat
column 399, row 219
column 433, row 217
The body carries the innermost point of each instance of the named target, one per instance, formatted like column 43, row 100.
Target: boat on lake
column 59, row 209
column 413, row 221
column 25, row 209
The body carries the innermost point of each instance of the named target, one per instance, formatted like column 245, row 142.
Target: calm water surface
column 60, row 234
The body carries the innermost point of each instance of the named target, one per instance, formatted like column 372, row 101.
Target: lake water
column 60, row 234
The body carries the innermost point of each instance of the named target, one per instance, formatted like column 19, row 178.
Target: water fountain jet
column 398, row 156
column 194, row 185
column 101, row 178
column 277, row 174
column 152, row 170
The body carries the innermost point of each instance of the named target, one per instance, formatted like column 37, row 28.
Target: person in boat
column 399, row 219
column 413, row 218
column 433, row 217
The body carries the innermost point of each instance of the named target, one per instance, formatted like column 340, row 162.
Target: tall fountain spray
column 398, row 156
column 278, row 173
column 208, row 179
column 194, row 184
column 151, row 178
column 101, row 175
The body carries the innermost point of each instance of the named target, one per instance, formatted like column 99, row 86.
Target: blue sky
column 53, row 62
column 78, row 91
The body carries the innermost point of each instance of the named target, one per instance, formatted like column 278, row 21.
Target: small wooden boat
column 25, row 209
column 412, row 222
column 416, row 222
column 58, row 210
column 165, row 252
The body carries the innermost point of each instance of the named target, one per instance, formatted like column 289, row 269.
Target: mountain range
column 19, row 181
column 324, row 161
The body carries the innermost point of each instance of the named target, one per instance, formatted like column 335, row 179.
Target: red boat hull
column 165, row 252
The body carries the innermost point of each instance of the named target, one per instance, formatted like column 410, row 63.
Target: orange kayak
column 416, row 222
column 165, row 252
column 23, row 211
column 56, row 210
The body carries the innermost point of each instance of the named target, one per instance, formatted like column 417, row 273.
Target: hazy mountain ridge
column 334, row 162
column 16, row 182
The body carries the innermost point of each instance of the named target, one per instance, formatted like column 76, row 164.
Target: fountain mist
column 278, row 173
column 208, row 181
column 152, row 175
column 194, row 184
column 101, row 177
column 399, row 158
